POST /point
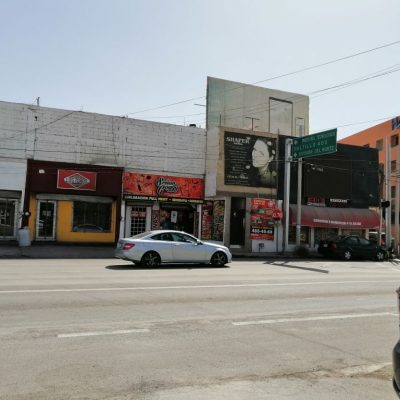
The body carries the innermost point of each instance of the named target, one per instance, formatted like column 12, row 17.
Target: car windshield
column 140, row 235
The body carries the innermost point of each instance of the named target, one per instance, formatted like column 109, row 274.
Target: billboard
column 328, row 176
column 250, row 160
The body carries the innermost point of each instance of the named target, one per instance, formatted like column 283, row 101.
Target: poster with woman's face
column 250, row 160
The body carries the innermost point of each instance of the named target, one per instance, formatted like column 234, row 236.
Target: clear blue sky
column 119, row 56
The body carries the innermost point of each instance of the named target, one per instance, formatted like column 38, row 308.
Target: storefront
column 12, row 185
column 244, row 180
column 72, row 202
column 319, row 223
column 161, row 202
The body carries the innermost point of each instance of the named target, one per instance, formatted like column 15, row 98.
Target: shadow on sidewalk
column 123, row 267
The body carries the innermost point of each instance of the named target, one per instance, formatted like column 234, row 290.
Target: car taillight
column 128, row 246
column 333, row 245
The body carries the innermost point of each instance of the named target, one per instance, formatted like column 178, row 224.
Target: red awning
column 330, row 217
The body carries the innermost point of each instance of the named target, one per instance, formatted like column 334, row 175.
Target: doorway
column 46, row 220
column 238, row 220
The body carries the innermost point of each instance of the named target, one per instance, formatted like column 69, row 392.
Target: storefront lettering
column 333, row 222
column 166, row 186
column 238, row 140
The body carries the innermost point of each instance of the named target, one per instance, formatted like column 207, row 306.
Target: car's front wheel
column 347, row 255
column 219, row 259
column 151, row 259
column 380, row 255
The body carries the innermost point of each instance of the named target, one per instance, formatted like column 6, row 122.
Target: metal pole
column 298, row 219
column 388, row 238
column 286, row 196
column 396, row 204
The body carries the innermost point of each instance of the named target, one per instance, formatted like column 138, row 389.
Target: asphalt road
column 105, row 329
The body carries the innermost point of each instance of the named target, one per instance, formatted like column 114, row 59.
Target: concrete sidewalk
column 56, row 251
column 101, row 251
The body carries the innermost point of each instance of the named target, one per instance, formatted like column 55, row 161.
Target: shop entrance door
column 46, row 220
column 238, row 218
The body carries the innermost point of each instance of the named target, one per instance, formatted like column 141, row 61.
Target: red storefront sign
column 161, row 187
column 76, row 180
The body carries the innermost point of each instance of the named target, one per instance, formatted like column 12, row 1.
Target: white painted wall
column 41, row 133
column 12, row 174
column 230, row 104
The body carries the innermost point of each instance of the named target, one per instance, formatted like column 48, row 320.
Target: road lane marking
column 106, row 289
column 101, row 333
column 307, row 319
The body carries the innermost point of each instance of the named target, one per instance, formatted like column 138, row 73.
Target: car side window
column 166, row 237
column 364, row 242
column 179, row 237
column 352, row 241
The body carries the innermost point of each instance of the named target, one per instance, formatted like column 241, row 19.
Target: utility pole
column 286, row 194
column 388, row 213
column 396, row 204
column 299, row 195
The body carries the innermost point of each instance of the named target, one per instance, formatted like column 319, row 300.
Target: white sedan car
column 165, row 246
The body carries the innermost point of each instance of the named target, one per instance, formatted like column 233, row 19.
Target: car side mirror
column 199, row 241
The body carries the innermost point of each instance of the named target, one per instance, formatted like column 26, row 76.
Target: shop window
column 394, row 140
column 324, row 233
column 358, row 232
column 379, row 144
column 7, row 217
column 138, row 220
column 91, row 217
column 304, row 235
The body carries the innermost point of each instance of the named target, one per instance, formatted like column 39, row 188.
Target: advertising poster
column 212, row 226
column 207, row 220
column 250, row 160
column 261, row 221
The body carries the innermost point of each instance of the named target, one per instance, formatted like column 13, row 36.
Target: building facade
column 48, row 156
column 384, row 138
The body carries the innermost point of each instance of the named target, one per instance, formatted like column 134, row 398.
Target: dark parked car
column 351, row 246
column 396, row 358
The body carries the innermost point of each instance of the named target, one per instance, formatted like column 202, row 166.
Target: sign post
column 310, row 146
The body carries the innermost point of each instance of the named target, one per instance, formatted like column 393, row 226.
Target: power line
column 275, row 77
column 317, row 93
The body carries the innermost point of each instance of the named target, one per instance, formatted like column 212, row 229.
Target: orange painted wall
column 371, row 136
column 64, row 228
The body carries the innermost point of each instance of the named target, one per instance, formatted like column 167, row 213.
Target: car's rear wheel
column 380, row 255
column 347, row 255
column 219, row 259
column 151, row 259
